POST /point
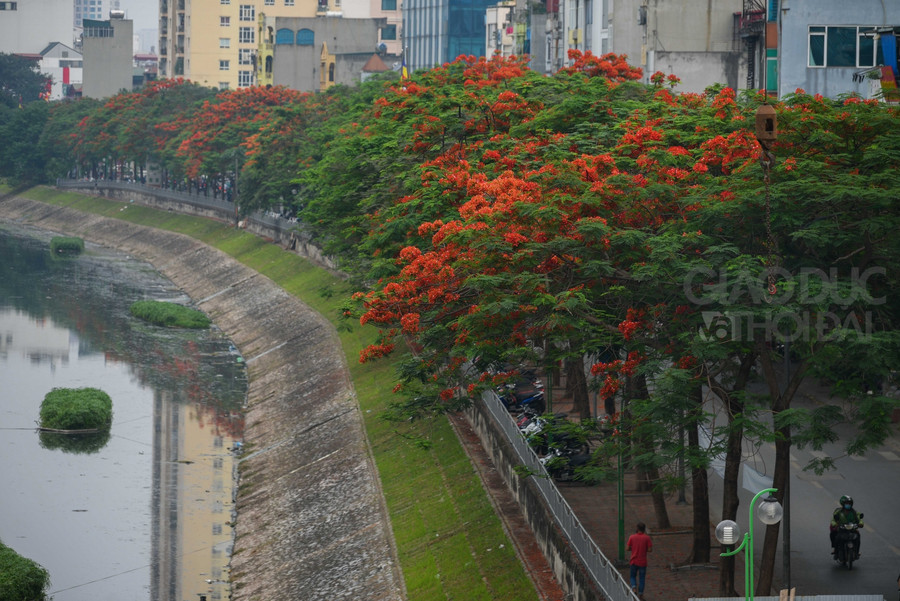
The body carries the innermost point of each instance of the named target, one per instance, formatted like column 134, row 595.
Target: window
column 843, row 47
column 269, row 3
column 223, row 85
column 248, row 12
column 8, row 6
column 224, row 21
column 245, row 56
column 284, row 36
column 246, row 35
column 245, row 79
column 306, row 37
column 389, row 32
column 388, row 4
column 224, row 1
column 289, row 2
column 224, row 65
column 224, row 42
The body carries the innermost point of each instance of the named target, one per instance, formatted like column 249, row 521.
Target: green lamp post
column 728, row 533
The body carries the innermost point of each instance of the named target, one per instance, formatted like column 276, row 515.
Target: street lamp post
column 728, row 533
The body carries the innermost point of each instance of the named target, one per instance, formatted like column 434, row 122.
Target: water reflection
column 148, row 514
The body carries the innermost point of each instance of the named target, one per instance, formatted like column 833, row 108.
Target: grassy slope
column 450, row 540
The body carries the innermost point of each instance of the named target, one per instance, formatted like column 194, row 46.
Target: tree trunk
column 659, row 499
column 730, row 503
column 780, row 402
column 733, row 455
column 700, row 546
column 576, row 385
column 767, row 562
column 648, row 476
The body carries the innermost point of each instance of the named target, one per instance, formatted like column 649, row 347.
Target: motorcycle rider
column 845, row 514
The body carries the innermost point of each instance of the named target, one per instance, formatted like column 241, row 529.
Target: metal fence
column 602, row 570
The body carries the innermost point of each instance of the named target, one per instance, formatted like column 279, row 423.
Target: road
column 874, row 483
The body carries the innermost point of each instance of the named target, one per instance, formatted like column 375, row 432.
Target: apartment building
column 229, row 44
column 311, row 55
column 700, row 42
column 833, row 47
column 438, row 31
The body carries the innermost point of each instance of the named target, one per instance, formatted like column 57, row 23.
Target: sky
column 144, row 13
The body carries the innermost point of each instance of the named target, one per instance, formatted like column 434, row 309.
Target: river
column 144, row 512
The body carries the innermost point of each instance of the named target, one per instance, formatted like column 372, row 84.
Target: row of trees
column 642, row 238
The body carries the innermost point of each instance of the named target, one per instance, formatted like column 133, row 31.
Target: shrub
column 66, row 245
column 169, row 315
column 76, row 409
column 21, row 579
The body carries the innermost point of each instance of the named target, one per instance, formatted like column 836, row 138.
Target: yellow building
column 221, row 43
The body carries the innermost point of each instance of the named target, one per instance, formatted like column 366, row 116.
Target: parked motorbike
column 519, row 398
column 541, row 434
column 846, row 544
column 561, row 463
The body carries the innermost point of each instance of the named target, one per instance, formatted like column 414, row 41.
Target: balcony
column 752, row 23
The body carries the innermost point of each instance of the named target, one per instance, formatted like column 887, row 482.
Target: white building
column 28, row 27
column 500, row 30
column 65, row 66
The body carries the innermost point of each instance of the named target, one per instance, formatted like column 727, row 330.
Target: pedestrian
column 639, row 544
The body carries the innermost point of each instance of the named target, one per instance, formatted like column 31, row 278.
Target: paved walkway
column 669, row 577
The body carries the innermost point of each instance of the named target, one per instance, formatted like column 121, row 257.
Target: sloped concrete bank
column 311, row 518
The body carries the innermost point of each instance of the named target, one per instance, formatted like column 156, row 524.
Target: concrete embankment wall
column 279, row 231
column 565, row 564
column 311, row 518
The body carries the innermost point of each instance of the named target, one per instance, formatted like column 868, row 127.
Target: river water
column 145, row 511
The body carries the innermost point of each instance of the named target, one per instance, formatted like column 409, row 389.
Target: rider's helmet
column 846, row 500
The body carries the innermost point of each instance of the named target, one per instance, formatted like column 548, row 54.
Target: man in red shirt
column 639, row 544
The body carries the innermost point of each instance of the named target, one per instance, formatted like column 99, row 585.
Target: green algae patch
column 74, row 409
column 170, row 315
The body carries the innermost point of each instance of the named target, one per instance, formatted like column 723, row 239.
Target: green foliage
column 21, row 579
column 22, row 159
column 66, row 245
column 169, row 314
column 21, row 81
column 76, row 409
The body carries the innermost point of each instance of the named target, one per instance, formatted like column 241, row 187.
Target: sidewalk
column 669, row 578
